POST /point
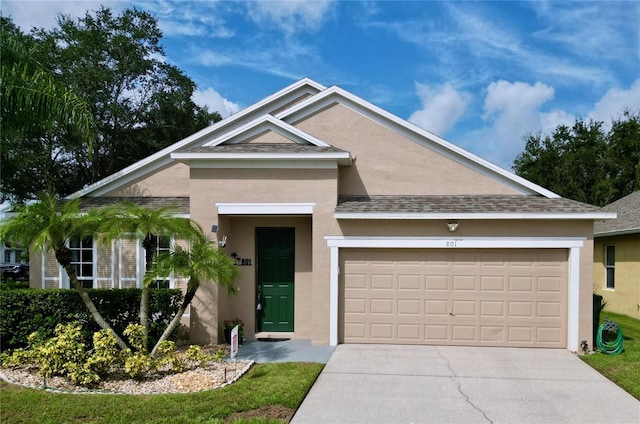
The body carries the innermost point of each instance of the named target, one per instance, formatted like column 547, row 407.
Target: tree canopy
column 585, row 162
column 116, row 65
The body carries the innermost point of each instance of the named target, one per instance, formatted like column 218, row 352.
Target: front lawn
column 623, row 369
column 264, row 393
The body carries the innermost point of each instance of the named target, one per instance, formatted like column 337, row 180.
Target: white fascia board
column 474, row 216
column 454, row 242
column 263, row 164
column 262, row 124
column 265, row 208
column 425, row 138
column 336, row 156
column 161, row 158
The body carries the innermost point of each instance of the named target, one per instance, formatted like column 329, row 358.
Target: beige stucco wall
column 170, row 181
column 268, row 137
column 625, row 297
column 387, row 163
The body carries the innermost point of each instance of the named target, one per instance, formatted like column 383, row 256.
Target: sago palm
column 201, row 263
column 48, row 225
column 128, row 220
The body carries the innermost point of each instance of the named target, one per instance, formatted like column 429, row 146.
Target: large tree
column 585, row 162
column 34, row 106
column 140, row 102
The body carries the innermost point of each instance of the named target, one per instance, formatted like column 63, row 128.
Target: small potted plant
column 229, row 324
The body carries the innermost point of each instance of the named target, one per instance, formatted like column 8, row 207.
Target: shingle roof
column 180, row 203
column 461, row 205
column 263, row 148
column 628, row 221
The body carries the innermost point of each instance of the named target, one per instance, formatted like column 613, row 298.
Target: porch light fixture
column 223, row 241
column 453, row 225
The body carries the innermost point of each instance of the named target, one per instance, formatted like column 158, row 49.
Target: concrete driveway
column 447, row 384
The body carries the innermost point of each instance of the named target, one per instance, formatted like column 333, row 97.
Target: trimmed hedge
column 24, row 311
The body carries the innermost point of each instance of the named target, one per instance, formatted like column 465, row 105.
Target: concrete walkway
column 294, row 350
column 446, row 384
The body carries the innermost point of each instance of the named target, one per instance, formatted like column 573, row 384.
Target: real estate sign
column 234, row 341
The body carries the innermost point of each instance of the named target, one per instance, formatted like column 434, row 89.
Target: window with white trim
column 13, row 255
column 163, row 245
column 82, row 260
column 610, row 266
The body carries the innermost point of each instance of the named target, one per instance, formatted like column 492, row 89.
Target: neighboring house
column 351, row 225
column 616, row 257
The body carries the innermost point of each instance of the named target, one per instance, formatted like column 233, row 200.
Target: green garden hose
column 613, row 347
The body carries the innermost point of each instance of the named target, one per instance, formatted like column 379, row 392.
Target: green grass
column 623, row 369
column 264, row 385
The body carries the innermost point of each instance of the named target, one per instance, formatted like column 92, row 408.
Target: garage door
column 480, row 297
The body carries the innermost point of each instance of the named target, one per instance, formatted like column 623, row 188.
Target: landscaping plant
column 67, row 356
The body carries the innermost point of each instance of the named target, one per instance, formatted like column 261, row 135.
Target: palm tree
column 129, row 220
column 48, row 225
column 31, row 97
column 201, row 263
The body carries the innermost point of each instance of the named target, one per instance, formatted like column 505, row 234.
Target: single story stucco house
column 351, row 225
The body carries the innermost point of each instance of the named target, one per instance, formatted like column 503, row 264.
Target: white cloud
column 514, row 107
column 442, row 107
column 214, row 102
column 512, row 110
column 614, row 102
column 291, row 16
column 44, row 14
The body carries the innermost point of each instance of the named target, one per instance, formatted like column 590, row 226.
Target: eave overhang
column 474, row 216
column 466, row 207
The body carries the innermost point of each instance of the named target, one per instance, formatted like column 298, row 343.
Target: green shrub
column 167, row 356
column 66, row 355
column 23, row 312
column 106, row 353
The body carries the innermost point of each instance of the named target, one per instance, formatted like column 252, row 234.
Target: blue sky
column 480, row 74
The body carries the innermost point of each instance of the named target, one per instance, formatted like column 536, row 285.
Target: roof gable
column 334, row 94
column 290, row 106
column 271, row 104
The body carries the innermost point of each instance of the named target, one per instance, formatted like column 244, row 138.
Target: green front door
column 275, row 270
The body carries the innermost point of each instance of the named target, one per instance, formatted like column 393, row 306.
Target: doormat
column 271, row 339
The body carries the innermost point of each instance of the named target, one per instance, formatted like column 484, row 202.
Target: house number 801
column 451, row 243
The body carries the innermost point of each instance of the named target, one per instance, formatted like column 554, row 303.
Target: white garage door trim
column 574, row 244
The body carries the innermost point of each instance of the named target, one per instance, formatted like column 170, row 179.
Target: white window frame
column 65, row 283
column 609, row 283
column 142, row 261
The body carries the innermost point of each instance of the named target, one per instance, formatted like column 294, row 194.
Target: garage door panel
column 464, row 283
column 493, row 283
column 437, row 282
column 492, row 334
column 409, row 307
column 381, row 282
column 458, row 297
column 410, row 281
